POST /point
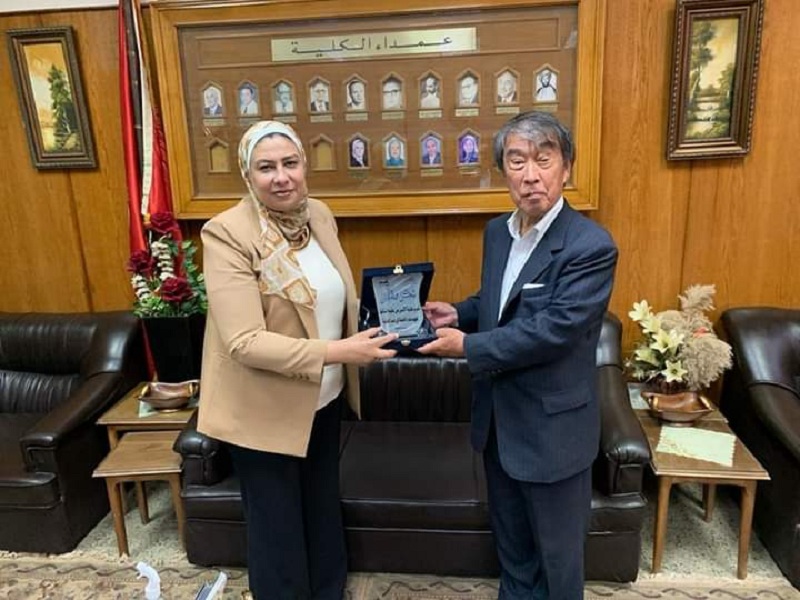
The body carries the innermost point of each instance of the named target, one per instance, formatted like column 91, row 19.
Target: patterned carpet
column 699, row 564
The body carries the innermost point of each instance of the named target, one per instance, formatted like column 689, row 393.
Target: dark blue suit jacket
column 535, row 366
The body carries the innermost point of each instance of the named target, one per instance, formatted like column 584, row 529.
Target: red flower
column 141, row 263
column 176, row 289
column 163, row 222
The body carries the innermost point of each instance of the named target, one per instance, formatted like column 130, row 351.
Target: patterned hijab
column 294, row 224
column 282, row 233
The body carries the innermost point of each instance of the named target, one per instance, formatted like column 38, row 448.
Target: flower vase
column 176, row 345
column 679, row 408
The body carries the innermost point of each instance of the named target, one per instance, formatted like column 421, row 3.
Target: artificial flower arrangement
column 679, row 350
column 165, row 278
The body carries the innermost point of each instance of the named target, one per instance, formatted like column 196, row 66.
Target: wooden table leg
column 662, row 510
column 175, row 488
column 141, row 500
column 113, row 442
column 709, row 497
column 113, row 437
column 114, row 498
column 745, row 526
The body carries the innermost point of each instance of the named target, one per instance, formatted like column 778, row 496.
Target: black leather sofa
column 761, row 400
column 413, row 491
column 58, row 374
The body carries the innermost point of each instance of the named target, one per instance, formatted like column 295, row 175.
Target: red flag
column 143, row 136
column 143, row 143
column 129, row 144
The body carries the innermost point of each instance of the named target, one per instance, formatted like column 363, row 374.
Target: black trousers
column 295, row 536
column 540, row 531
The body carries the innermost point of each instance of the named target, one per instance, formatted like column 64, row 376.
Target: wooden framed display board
column 396, row 102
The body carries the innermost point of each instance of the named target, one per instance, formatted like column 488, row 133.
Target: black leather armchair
column 761, row 400
column 413, row 491
column 58, row 373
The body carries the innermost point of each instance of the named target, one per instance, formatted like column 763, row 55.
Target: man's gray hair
column 541, row 128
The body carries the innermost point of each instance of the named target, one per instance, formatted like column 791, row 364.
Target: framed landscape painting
column 714, row 76
column 51, row 100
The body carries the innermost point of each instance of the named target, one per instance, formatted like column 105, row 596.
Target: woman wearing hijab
column 280, row 349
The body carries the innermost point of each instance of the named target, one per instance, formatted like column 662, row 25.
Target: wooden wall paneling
column 382, row 242
column 744, row 230
column 42, row 255
column 455, row 246
column 101, row 193
column 642, row 198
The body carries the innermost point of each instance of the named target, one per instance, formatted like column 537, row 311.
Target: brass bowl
column 163, row 395
column 680, row 409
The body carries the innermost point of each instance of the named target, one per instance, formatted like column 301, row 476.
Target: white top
column 523, row 246
column 329, row 311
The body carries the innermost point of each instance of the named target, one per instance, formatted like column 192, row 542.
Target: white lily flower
column 674, row 371
column 640, row 311
column 647, row 355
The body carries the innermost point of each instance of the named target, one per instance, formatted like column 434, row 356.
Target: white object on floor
column 210, row 591
column 152, row 590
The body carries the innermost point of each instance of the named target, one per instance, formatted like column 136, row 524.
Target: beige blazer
column 262, row 359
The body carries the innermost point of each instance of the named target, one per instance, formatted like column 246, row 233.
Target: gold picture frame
column 717, row 45
column 45, row 67
column 303, row 39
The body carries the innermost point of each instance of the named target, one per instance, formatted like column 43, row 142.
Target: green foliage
column 66, row 122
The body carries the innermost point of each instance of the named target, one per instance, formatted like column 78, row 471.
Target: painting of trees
column 714, row 78
column 65, row 134
column 712, row 51
column 47, row 78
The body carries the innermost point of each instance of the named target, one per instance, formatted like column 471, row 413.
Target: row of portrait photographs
column 355, row 96
column 394, row 151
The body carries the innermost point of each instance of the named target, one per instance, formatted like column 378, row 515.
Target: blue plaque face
column 392, row 299
column 398, row 303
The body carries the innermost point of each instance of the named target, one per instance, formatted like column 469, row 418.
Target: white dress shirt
column 522, row 246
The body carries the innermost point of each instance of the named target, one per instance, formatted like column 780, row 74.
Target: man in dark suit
column 319, row 101
column 431, row 154
column 530, row 336
column 359, row 158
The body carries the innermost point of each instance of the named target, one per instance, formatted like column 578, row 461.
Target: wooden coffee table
column 124, row 416
column 745, row 472
column 141, row 456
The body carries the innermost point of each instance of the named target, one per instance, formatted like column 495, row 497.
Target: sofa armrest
column 779, row 410
column 624, row 452
column 82, row 408
column 205, row 460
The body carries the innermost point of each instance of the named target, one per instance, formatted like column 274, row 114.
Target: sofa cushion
column 20, row 488
column 412, row 475
column 221, row 501
column 616, row 513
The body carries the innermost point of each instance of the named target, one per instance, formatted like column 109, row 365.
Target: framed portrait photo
column 47, row 77
column 394, row 152
column 714, row 78
column 249, row 105
column 283, row 98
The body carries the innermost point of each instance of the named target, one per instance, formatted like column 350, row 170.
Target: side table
column 141, row 456
column 745, row 472
column 125, row 416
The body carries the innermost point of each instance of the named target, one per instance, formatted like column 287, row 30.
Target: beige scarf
column 282, row 233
